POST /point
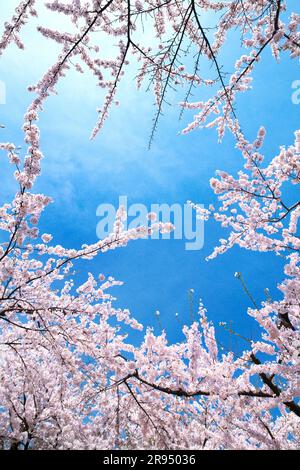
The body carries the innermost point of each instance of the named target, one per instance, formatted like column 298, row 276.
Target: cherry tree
column 70, row 377
column 178, row 28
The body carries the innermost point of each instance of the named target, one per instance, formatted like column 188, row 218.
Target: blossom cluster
column 179, row 29
column 70, row 376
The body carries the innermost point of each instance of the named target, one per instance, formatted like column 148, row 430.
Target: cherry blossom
column 71, row 379
column 70, row 375
column 119, row 25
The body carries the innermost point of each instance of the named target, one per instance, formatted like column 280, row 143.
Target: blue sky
column 80, row 174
